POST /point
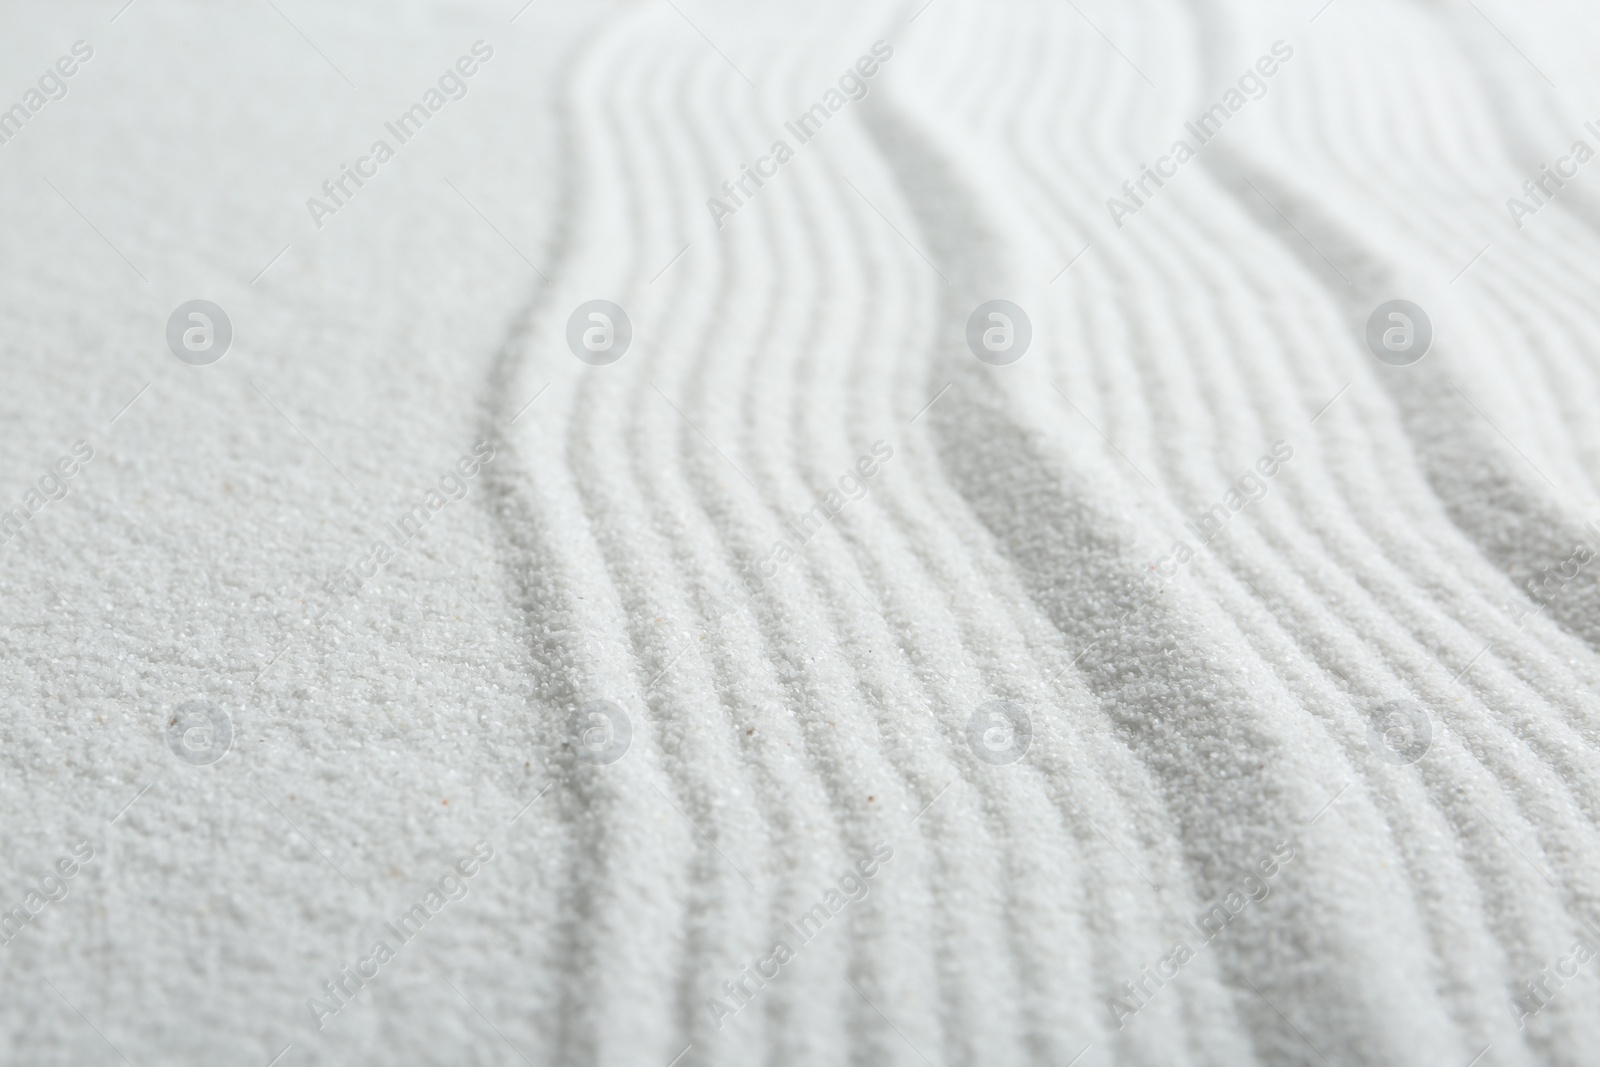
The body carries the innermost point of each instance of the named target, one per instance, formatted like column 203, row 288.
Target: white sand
column 1198, row 712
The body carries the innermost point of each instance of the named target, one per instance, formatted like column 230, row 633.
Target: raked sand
column 800, row 688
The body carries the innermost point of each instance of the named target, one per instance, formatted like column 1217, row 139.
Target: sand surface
column 1198, row 682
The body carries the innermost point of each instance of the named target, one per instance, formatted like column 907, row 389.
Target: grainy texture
column 1295, row 649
